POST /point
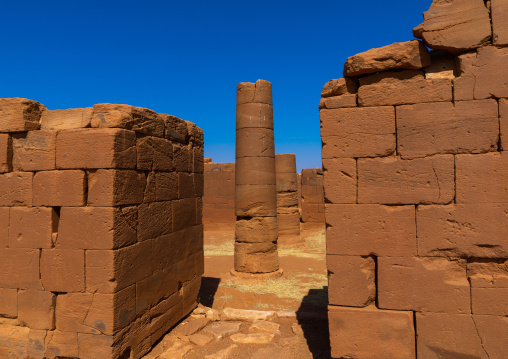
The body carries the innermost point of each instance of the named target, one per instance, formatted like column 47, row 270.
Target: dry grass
column 224, row 249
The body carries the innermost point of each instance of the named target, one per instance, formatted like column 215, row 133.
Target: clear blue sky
column 186, row 57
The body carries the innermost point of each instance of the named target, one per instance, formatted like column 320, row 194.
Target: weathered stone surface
column 254, row 115
column 190, row 327
column 259, row 92
column 444, row 127
column 66, row 119
column 256, row 200
column 155, row 153
column 224, row 353
column 455, row 26
column 463, row 230
column 60, row 343
column 142, row 120
column 20, row 268
column 196, row 135
column 363, row 333
column 59, row 188
column 482, row 75
column 340, row 180
column 254, row 142
column 399, row 88
column 256, row 171
column 423, row 285
column 338, row 87
column 503, row 123
column 34, row 151
column 443, row 335
column 158, row 286
column 256, row 257
column 5, row 152
column 222, row 329
column 31, row 227
column 62, row 270
column 14, row 341
column 338, row 102
column 246, row 314
column 263, row 326
column 252, row 338
column 19, row 114
column 482, row 178
column 399, row 55
column 272, row 352
column 175, row 129
column 394, row 180
column 201, row 339
column 115, row 187
column 358, row 132
column 16, row 189
column 8, row 302
column 499, row 13
column 36, row 309
column 443, row 66
column 351, row 280
column 489, row 288
column 256, row 230
column 370, row 229
column 287, row 199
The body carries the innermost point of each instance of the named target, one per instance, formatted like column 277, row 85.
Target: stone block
column 32, row 227
column 358, row 132
column 482, row 178
column 256, row 230
column 286, row 182
column 66, row 119
column 254, row 115
column 8, row 302
column 288, row 221
column 19, row 114
column 399, row 55
column 444, row 127
column 186, row 185
column 34, row 151
column 455, row 26
column 256, row 257
column 182, row 158
column 482, row 76
column 165, row 315
column 138, row 119
column 16, row 189
column 394, row 180
column 184, row 213
column 5, row 152
column 259, row 92
column 198, row 160
column 435, row 285
column 443, row 335
column 133, row 263
column 4, row 227
column 14, row 341
column 255, row 171
column 96, row 227
column 36, row 346
column 503, row 123
column 20, row 268
column 370, row 229
column 442, row 66
column 115, row 188
column 489, row 287
column 36, row 309
column 153, row 289
column 351, row 280
column 168, row 250
column 256, row 200
column 59, row 188
column 154, row 154
column 463, row 230
column 339, row 87
column 499, row 13
column 156, row 212
column 60, row 343
column 196, row 135
column 400, row 88
column 175, row 129
column 91, row 148
column 63, row 270
column 338, row 102
column 100, row 272
column 287, row 199
column 339, row 180
column 371, row 333
column 254, row 142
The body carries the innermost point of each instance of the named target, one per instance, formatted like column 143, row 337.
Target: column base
column 257, row 276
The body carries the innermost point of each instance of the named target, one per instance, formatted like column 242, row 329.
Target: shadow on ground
column 209, row 286
column 312, row 316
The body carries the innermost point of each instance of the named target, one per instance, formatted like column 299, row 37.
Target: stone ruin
column 101, row 241
column 219, row 197
column 312, row 199
column 416, row 188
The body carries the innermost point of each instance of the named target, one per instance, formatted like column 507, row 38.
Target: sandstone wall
column 101, row 241
column 219, row 197
column 312, row 198
column 416, row 186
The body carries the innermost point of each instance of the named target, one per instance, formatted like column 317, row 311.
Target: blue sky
column 185, row 58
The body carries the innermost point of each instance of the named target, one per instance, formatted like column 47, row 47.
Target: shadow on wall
column 313, row 319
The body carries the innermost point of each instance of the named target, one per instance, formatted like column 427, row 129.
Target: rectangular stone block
column 370, row 229
column 63, row 270
column 347, row 100
column 489, row 287
column 16, row 189
column 286, row 199
column 34, row 151
column 5, row 152
column 499, row 13
column 254, row 142
column 256, row 200
column 400, row 88
column 463, row 230
column 423, row 284
column 66, row 119
column 186, row 185
column 363, row 333
column 165, row 315
column 36, row 309
column 445, row 127
column 91, row 346
column 190, row 295
column 91, row 148
column 97, row 227
column 288, row 221
column 19, row 114
column 184, row 213
column 396, row 180
column 155, row 212
column 503, row 123
column 61, row 343
column 32, row 227
column 199, row 184
column 312, row 213
column 351, row 280
column 340, row 180
column 482, row 178
column 482, row 75
column 182, row 158
column 442, row 335
column 115, row 188
column 100, row 271
column 133, row 263
column 256, row 257
column 8, row 302
column 154, row 153
column 153, row 289
column 175, row 129
column 198, row 160
column 161, row 186
column 59, row 188
column 4, row 227
column 358, row 132
column 168, row 250
column 20, row 268
column 14, row 341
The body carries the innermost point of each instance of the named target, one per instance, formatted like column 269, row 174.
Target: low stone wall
column 416, row 184
column 219, row 197
column 101, row 240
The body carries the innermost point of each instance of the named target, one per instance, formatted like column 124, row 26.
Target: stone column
column 288, row 215
column 255, row 183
